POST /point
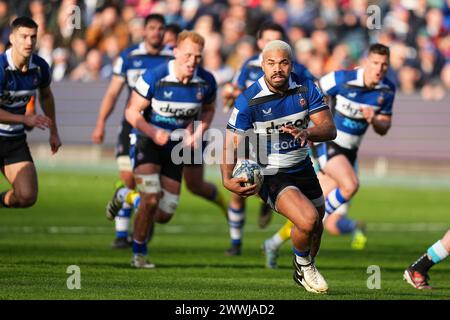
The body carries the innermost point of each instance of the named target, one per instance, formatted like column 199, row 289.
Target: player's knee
column 308, row 222
column 129, row 182
column 162, row 217
column 330, row 226
column 149, row 201
column 167, row 206
column 25, row 199
column 237, row 203
column 349, row 188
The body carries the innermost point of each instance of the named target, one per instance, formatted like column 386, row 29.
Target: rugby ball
column 251, row 170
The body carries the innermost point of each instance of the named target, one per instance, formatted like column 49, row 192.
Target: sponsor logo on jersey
column 352, row 94
column 137, row 63
column 168, row 94
column 302, row 102
column 285, row 145
column 179, row 112
column 299, row 123
column 267, row 112
column 8, row 98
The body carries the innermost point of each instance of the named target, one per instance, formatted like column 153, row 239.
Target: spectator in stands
column 106, row 23
column 60, row 66
column 92, row 69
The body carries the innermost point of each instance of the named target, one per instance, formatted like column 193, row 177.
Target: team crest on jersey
column 380, row 100
column 35, row 81
column 199, row 95
column 302, row 101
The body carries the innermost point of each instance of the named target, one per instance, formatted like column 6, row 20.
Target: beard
column 278, row 83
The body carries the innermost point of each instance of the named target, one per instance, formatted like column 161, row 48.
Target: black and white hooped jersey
column 17, row 88
column 263, row 113
column 135, row 60
column 351, row 94
column 175, row 105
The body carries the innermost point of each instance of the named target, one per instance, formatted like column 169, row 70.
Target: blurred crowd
column 326, row 34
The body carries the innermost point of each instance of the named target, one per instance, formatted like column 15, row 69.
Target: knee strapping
column 148, row 183
column 169, row 202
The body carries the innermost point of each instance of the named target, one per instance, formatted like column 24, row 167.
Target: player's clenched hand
column 368, row 113
column 55, row 143
column 160, row 137
column 234, row 185
column 97, row 135
column 38, row 121
column 301, row 135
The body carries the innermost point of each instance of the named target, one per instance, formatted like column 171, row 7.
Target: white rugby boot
column 309, row 277
column 140, row 261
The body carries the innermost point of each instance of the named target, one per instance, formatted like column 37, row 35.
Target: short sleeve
column 386, row 108
column 46, row 77
column 316, row 101
column 120, row 65
column 210, row 95
column 240, row 118
column 145, row 85
column 328, row 83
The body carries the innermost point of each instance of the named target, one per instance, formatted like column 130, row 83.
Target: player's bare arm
column 323, row 129
column 133, row 114
column 232, row 141
column 47, row 102
column 37, row 120
column 107, row 107
column 229, row 93
column 381, row 123
column 207, row 115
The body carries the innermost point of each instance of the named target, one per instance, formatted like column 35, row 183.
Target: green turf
column 67, row 227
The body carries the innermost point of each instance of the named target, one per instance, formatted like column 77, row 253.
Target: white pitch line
column 178, row 229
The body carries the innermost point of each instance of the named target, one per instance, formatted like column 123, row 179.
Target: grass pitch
column 68, row 227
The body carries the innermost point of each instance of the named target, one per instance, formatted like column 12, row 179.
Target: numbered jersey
column 173, row 104
column 17, row 88
column 351, row 94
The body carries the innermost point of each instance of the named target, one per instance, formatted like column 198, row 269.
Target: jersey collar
column 172, row 76
column 359, row 81
column 12, row 66
column 266, row 91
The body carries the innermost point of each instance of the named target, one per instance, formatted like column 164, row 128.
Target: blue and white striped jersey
column 351, row 95
column 251, row 71
column 174, row 104
column 263, row 112
column 17, row 88
column 135, row 60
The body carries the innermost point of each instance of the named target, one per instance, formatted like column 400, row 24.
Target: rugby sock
column 423, row 264
column 139, row 247
column 346, row 225
column 123, row 220
column 133, row 198
column 437, row 252
column 280, row 237
column 236, row 220
column 302, row 258
column 2, row 200
column 122, row 193
column 334, row 200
